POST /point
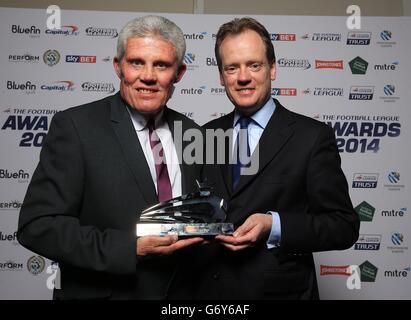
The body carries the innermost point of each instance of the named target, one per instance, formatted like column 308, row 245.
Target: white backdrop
column 358, row 82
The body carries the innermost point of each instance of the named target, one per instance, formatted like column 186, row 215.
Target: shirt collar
column 140, row 122
column 262, row 116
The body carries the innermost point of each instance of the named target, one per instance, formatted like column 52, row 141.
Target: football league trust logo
column 365, row 180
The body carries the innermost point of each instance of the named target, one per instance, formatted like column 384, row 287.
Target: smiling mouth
column 245, row 90
column 146, row 90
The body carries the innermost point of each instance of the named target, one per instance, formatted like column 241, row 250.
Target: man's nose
column 148, row 74
column 244, row 75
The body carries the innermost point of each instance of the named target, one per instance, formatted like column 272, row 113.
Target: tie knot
column 244, row 122
column 150, row 124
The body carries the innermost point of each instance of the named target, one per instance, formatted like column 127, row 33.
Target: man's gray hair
column 152, row 26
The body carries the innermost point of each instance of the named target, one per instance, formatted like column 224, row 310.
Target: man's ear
column 117, row 68
column 273, row 71
column 180, row 72
column 221, row 79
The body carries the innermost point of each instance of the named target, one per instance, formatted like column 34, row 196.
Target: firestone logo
column 329, row 64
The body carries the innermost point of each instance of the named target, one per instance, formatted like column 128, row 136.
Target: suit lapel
column 177, row 127
column 275, row 135
column 226, row 168
column 134, row 155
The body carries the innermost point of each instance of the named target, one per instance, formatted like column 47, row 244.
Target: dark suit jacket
column 82, row 205
column 300, row 177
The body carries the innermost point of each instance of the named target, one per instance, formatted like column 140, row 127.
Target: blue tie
column 241, row 150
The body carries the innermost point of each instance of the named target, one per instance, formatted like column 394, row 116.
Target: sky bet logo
column 283, row 37
column 365, row 180
column 283, row 91
column 81, row 59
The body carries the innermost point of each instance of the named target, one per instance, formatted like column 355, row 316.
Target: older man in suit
column 104, row 162
column 294, row 203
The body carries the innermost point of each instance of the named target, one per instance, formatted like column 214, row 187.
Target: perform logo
column 329, row 64
column 81, row 59
column 365, row 180
column 358, row 65
column 361, row 93
column 11, row 265
column 359, row 38
column 24, row 58
column 12, row 205
column 283, row 37
column 365, row 211
column 284, row 92
column 217, row 91
column 368, row 242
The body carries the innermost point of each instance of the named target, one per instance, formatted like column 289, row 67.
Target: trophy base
column 184, row 229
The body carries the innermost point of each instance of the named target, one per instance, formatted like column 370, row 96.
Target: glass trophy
column 199, row 213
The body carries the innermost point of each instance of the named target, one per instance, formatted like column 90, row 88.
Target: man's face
column 148, row 72
column 246, row 73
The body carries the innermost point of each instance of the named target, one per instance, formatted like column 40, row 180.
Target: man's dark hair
column 239, row 25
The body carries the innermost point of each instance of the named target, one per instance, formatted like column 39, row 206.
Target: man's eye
column 256, row 66
column 161, row 66
column 230, row 69
column 136, row 62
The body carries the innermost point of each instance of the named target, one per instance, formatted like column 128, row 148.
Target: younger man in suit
column 296, row 202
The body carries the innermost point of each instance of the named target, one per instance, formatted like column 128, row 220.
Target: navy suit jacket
column 300, row 177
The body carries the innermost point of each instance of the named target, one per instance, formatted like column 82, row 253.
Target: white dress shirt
column 166, row 138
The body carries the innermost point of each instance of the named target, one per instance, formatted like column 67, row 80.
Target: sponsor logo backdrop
column 355, row 81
